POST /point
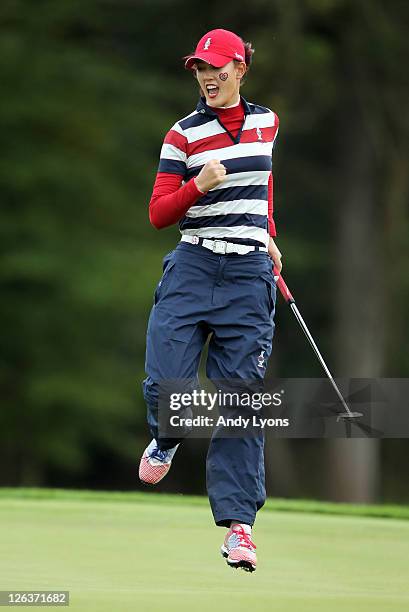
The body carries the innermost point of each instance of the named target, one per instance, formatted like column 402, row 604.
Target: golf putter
column 286, row 293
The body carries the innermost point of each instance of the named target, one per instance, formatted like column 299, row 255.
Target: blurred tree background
column 89, row 90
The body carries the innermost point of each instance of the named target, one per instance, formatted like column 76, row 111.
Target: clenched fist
column 212, row 174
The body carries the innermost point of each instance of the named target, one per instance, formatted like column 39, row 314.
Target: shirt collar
column 204, row 109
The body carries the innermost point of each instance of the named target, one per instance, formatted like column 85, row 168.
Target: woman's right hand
column 212, row 174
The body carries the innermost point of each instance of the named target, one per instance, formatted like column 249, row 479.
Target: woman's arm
column 273, row 250
column 170, row 200
column 271, row 224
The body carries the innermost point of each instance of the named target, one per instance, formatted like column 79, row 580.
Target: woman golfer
column 215, row 180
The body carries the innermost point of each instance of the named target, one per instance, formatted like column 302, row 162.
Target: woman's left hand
column 275, row 254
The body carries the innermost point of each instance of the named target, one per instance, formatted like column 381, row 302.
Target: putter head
column 349, row 416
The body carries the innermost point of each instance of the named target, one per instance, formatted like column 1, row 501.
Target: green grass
column 120, row 552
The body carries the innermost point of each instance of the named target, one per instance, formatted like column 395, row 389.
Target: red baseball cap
column 218, row 48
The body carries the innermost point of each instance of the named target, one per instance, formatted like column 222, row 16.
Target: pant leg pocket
column 168, row 266
column 271, row 290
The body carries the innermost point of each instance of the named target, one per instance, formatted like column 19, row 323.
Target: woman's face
column 220, row 86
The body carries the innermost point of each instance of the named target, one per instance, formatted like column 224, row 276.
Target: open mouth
column 212, row 91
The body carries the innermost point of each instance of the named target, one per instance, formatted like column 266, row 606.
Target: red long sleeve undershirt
column 171, row 200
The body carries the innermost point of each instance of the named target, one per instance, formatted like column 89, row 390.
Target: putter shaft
column 286, row 293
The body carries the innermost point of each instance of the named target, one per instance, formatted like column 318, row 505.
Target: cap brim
column 210, row 58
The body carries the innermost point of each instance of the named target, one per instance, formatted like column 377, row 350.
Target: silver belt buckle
column 219, row 247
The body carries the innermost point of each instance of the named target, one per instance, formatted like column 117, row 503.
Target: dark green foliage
column 88, row 90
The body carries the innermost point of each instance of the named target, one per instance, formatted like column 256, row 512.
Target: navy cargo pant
column 231, row 297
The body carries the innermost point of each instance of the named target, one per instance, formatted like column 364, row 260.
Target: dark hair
column 248, row 53
column 248, row 56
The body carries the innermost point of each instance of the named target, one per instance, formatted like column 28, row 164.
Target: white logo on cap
column 240, row 57
column 207, row 44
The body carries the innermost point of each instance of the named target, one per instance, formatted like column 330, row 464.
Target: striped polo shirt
column 237, row 209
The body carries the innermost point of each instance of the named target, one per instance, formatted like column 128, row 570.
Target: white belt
column 221, row 247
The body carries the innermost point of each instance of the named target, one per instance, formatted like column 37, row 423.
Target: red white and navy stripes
column 240, row 208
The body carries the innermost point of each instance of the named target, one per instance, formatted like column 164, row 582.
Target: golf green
column 152, row 552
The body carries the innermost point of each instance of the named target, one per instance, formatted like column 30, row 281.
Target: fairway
column 152, row 552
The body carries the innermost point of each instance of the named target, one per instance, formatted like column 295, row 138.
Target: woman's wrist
column 198, row 187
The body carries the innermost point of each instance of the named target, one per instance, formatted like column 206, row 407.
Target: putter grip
column 285, row 292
